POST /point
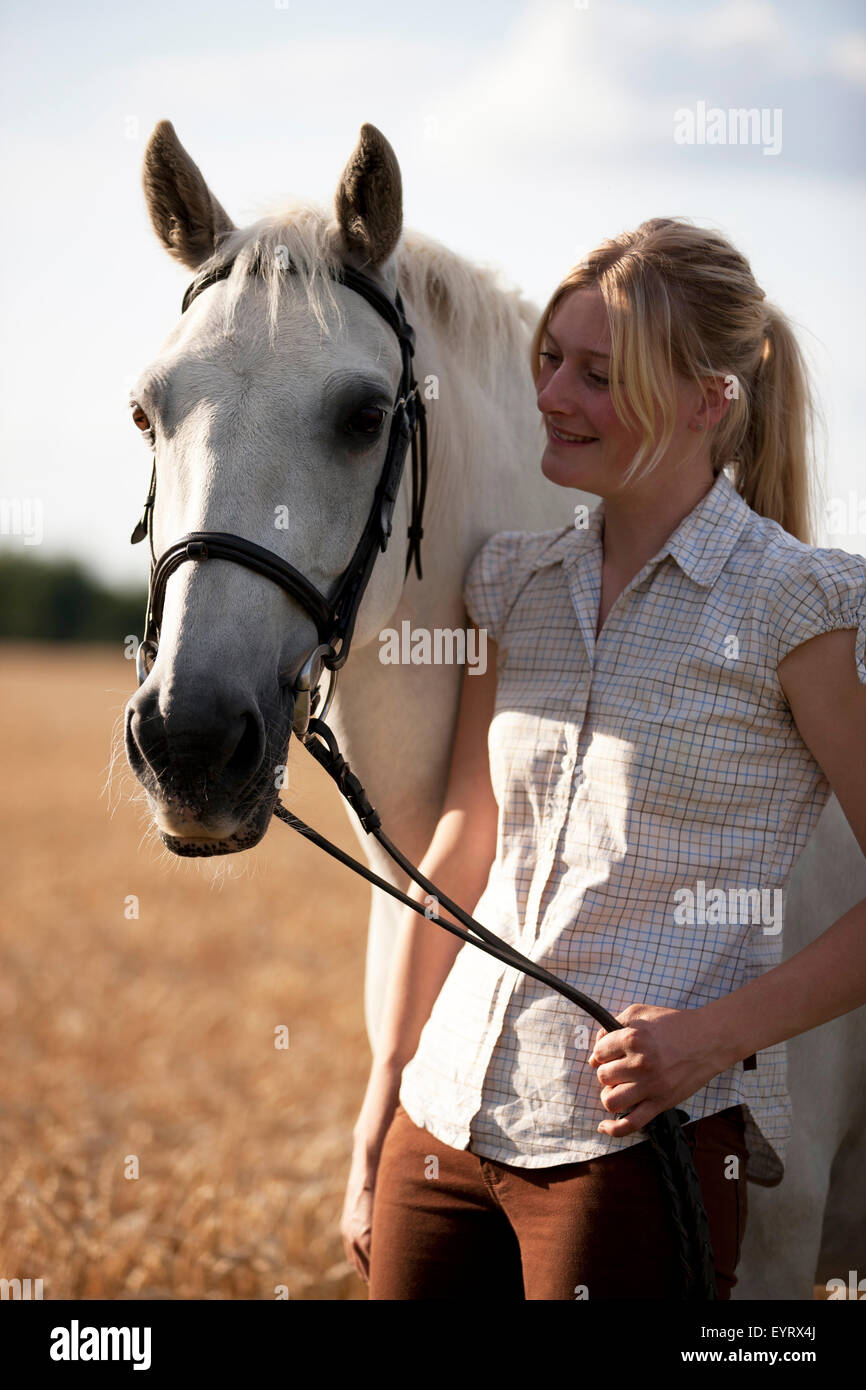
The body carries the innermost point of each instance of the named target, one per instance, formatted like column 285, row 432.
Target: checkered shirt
column 635, row 774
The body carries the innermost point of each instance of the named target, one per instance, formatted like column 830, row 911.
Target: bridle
column 334, row 620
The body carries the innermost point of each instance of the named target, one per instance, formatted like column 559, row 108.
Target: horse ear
column 369, row 199
column 186, row 216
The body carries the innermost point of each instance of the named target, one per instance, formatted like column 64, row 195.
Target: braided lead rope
column 685, row 1205
column 677, row 1172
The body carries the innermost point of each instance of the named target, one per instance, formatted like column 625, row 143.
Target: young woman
column 677, row 687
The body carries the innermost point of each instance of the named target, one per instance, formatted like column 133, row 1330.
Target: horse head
column 267, row 410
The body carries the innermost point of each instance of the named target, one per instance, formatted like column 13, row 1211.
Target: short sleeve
column 816, row 591
column 492, row 581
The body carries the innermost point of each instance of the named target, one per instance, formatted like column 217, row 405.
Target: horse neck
column 394, row 723
column 485, row 439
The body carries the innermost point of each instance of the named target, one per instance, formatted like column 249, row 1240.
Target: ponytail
column 771, row 471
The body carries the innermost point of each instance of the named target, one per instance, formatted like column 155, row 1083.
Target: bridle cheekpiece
column 334, row 618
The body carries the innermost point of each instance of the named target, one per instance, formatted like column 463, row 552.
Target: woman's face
column 574, row 398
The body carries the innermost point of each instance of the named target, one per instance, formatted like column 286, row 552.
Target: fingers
column 357, row 1252
column 638, row 1116
column 607, row 1047
column 622, row 1100
column 356, row 1225
column 362, row 1257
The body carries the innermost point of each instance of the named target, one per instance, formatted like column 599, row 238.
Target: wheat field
column 146, row 1044
column 148, row 1041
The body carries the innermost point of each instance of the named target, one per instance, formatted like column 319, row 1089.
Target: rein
column 334, row 620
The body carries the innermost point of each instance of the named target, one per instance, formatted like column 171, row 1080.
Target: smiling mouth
column 562, row 437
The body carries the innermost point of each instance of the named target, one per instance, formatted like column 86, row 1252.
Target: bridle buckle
column 144, row 659
column 306, row 688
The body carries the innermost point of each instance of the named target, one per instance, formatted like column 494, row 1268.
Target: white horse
column 258, row 404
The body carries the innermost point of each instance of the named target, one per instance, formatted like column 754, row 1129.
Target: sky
column 527, row 131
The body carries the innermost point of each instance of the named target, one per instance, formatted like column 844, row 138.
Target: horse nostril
column 146, row 744
column 215, row 746
column 248, row 752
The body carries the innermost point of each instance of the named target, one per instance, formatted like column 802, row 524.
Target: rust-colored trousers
column 450, row 1224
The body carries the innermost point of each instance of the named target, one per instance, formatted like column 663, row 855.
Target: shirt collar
column 701, row 544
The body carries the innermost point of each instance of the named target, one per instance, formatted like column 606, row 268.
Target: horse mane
column 481, row 320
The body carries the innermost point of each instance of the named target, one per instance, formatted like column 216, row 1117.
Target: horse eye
column 367, row 420
column 140, row 419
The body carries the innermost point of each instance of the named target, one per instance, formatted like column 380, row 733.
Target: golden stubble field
column 153, row 1036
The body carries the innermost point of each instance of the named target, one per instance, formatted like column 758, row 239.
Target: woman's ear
column 718, row 392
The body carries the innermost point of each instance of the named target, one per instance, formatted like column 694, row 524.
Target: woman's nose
column 558, row 395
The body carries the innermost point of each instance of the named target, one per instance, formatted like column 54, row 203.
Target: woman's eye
column 599, row 380
column 366, row 421
column 549, row 356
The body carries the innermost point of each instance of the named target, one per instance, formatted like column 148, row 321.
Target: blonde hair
column 682, row 302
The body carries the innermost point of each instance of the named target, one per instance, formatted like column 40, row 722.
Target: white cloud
column 549, row 79
column 522, row 149
column 735, row 24
column 847, row 57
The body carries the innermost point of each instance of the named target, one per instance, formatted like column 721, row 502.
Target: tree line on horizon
column 58, row 600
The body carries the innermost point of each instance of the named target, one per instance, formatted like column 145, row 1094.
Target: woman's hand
column 656, row 1059
column 357, row 1219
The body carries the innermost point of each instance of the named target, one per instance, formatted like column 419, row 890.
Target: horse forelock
column 482, row 322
